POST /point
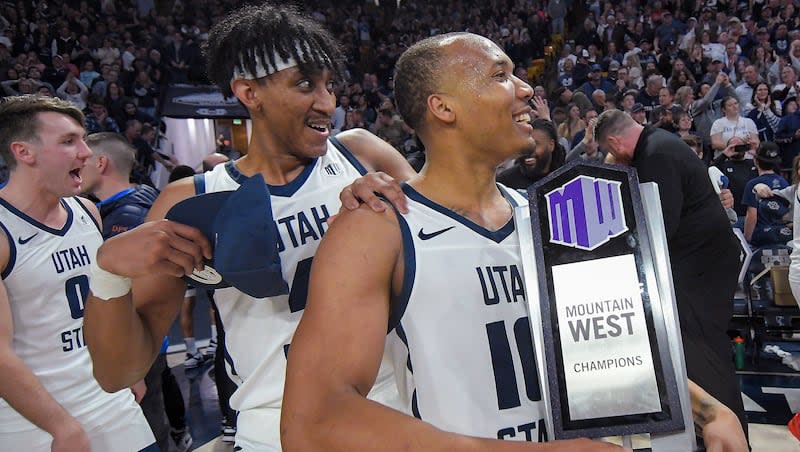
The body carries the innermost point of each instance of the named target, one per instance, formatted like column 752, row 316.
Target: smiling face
column 490, row 104
column 296, row 110
column 58, row 154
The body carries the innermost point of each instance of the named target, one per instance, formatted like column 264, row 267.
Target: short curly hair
column 264, row 31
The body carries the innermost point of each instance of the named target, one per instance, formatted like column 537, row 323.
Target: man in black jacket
column 703, row 251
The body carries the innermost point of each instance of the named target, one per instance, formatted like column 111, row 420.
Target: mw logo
column 586, row 212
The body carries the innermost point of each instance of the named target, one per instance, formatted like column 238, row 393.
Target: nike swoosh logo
column 424, row 236
column 24, row 241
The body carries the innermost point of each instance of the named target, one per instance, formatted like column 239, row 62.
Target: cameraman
column 739, row 170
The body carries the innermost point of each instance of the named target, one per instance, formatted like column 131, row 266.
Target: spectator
column 130, row 111
column 390, row 129
column 744, row 92
column 98, row 119
column 648, row 96
column 639, row 114
column 788, row 131
column 763, row 223
column 732, row 125
column 88, row 74
column 788, row 86
column 566, row 79
column 74, row 92
column 587, row 148
column 557, row 10
column 547, row 156
column 107, row 54
column 683, row 124
column 178, row 56
column 739, row 171
column 572, row 125
column 115, row 96
column 666, row 108
column 763, row 113
column 101, row 83
column 596, row 82
column 580, row 73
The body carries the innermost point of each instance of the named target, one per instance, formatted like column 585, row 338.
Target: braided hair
column 262, row 32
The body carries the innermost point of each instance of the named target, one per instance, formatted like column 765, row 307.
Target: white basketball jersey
column 461, row 341
column 258, row 331
column 47, row 279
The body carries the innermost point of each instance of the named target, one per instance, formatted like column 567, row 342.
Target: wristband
column 106, row 285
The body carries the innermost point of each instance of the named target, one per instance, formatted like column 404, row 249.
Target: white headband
column 264, row 68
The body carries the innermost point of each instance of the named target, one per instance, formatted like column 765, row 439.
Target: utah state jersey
column 258, row 331
column 461, row 340
column 47, row 280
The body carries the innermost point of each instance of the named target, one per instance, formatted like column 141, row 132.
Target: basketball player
column 282, row 67
column 428, row 275
column 49, row 398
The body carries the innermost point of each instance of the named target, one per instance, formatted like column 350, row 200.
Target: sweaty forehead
column 473, row 57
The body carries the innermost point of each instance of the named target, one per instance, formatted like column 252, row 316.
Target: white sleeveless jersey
column 258, row 331
column 461, row 341
column 47, row 279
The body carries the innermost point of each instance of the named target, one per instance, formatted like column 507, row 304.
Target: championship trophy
column 605, row 325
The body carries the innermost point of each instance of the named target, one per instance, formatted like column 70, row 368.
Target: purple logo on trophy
column 586, row 213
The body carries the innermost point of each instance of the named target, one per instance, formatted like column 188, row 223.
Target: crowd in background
column 723, row 71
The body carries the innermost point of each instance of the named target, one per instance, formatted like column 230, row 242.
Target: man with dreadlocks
column 281, row 66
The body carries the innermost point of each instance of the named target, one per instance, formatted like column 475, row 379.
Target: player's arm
column 721, row 429
column 337, row 349
column 387, row 168
column 23, row 391
column 154, row 256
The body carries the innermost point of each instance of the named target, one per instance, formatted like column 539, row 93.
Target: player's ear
column 22, row 152
column 441, row 107
column 245, row 91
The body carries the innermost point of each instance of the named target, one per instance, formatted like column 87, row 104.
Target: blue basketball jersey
column 258, row 331
column 47, row 280
column 461, row 340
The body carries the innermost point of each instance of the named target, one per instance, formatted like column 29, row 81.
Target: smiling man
column 416, row 274
column 50, row 400
column 282, row 66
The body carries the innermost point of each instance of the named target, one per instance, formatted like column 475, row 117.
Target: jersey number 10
column 505, row 376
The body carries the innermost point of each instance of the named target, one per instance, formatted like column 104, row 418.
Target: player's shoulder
column 365, row 225
column 172, row 194
column 356, row 139
column 90, row 207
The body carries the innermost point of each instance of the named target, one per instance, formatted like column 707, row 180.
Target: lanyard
column 115, row 197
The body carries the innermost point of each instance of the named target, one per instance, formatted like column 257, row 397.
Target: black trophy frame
column 634, row 241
